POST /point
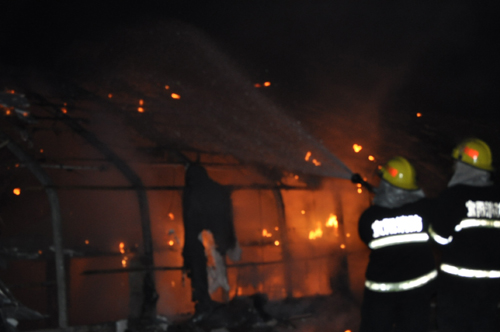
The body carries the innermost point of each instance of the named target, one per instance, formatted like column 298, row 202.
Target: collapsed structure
column 108, row 140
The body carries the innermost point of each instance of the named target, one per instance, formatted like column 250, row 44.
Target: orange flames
column 167, row 87
column 171, row 216
column 317, row 233
column 122, row 248
column 308, row 155
column 316, row 163
column 171, row 242
column 110, row 95
column 86, row 241
column 265, row 233
column 140, row 109
column 419, row 115
column 64, row 110
column 175, row 96
column 371, row 158
column 332, row 221
column 357, row 148
column 267, row 83
column 276, row 243
column 17, row 191
column 124, row 261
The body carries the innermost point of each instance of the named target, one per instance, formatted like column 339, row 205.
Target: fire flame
column 122, row 247
column 317, row 233
column 360, row 190
column 308, row 155
column 303, row 211
column 167, row 87
column 276, row 243
column 357, row 148
column 171, row 242
column 124, row 261
column 171, row 216
column 267, row 83
column 315, row 162
column 342, row 246
column 332, row 221
column 419, row 115
column 257, row 85
column 141, row 102
column 17, row 191
column 265, row 233
column 140, row 109
column 110, row 95
column 64, row 110
column 175, row 96
column 41, row 150
column 371, row 158
column 86, row 241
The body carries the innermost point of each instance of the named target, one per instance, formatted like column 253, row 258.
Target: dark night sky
column 450, row 45
column 435, row 57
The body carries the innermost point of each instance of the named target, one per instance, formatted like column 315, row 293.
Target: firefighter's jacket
column 468, row 228
column 401, row 257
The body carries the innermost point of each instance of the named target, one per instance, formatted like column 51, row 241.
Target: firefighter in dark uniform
column 401, row 272
column 468, row 228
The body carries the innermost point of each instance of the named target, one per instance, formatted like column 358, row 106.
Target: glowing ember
column 110, row 95
column 171, row 242
column 141, row 102
column 276, row 243
column 315, row 162
column 371, row 158
column 257, row 85
column 87, row 242
column 17, row 191
column 303, row 211
column 171, row 216
column 296, row 177
column 317, row 233
column 175, row 96
column 419, row 115
column 124, row 262
column 342, row 246
column 39, row 252
column 64, row 110
column 41, row 150
column 267, row 83
column 348, row 235
column 332, row 221
column 360, row 190
column 172, row 283
column 276, row 228
column 140, row 109
column 122, row 247
column 240, row 291
column 357, row 148
column 8, row 112
column 11, row 91
column 308, row 155
column 167, row 87
column 265, row 233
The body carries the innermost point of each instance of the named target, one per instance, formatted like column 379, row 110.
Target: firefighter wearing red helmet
column 401, row 271
column 468, row 229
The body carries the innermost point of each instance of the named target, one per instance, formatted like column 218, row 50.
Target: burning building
column 110, row 152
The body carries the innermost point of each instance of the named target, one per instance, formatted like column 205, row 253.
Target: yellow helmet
column 400, row 173
column 474, row 152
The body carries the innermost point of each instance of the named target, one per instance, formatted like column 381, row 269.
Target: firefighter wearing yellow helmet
column 467, row 226
column 401, row 271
